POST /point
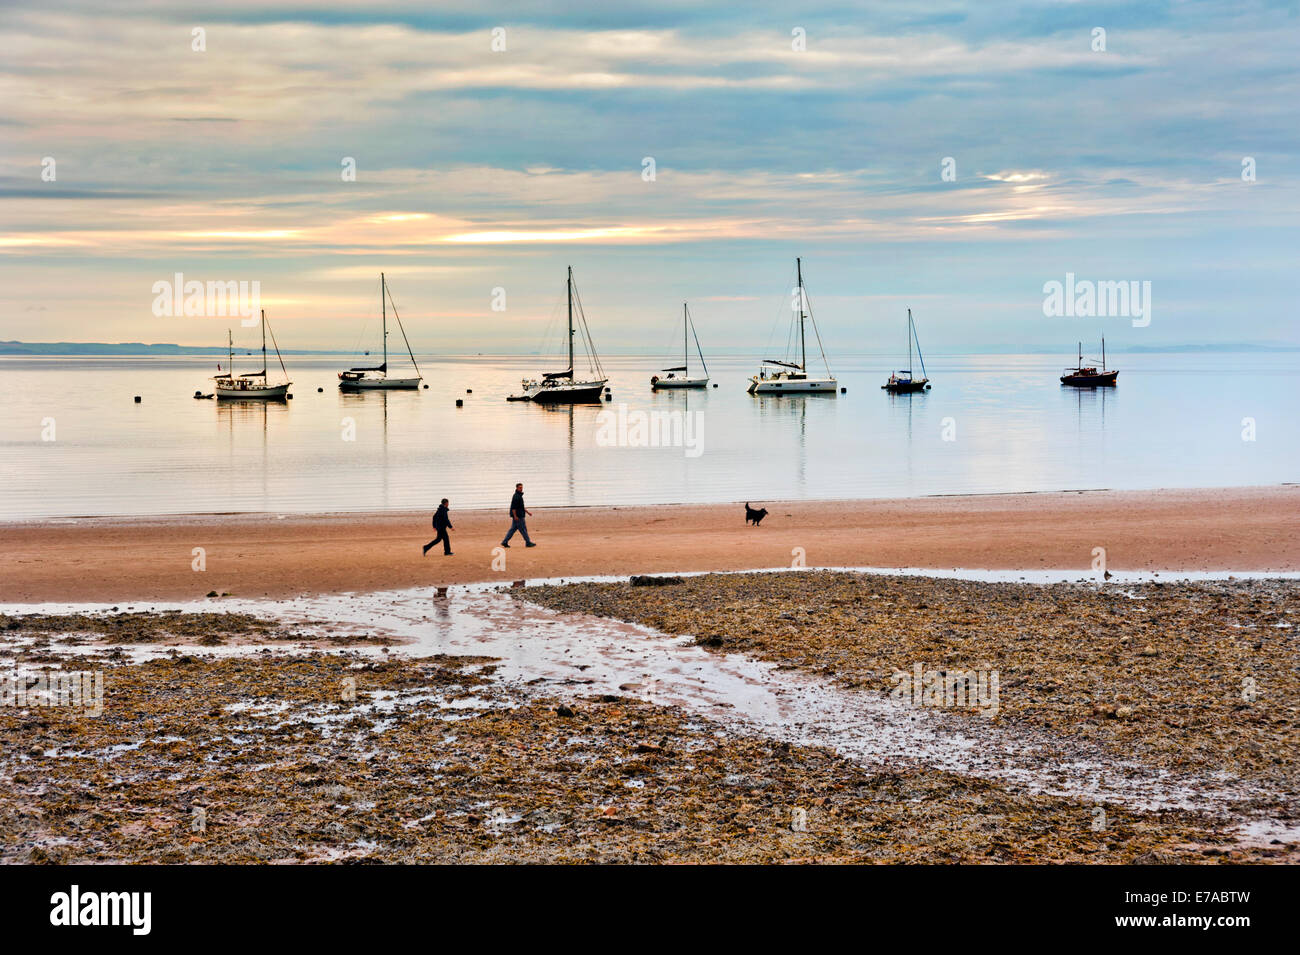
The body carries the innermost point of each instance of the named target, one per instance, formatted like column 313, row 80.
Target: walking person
column 441, row 524
column 518, row 516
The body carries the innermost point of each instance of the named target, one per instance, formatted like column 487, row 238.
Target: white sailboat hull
column 679, row 383
column 383, row 383
column 250, row 392
column 564, row 392
column 793, row 386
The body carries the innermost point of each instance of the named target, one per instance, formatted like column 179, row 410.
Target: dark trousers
column 517, row 524
column 442, row 536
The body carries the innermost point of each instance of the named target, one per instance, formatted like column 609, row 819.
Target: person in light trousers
column 518, row 517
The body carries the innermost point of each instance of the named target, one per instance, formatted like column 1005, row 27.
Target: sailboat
column 252, row 385
column 903, row 382
column 563, row 387
column 685, row 381
column 791, row 378
column 377, row 377
column 1087, row 376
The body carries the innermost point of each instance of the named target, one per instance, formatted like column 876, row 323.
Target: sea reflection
column 991, row 423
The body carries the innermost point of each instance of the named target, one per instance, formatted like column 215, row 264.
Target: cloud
column 473, row 164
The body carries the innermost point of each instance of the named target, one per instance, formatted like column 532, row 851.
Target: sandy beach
column 269, row 555
column 321, row 715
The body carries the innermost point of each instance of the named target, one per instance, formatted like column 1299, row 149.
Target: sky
column 776, row 130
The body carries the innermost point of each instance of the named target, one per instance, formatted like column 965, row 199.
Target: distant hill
column 1209, row 348
column 130, row 348
column 162, row 348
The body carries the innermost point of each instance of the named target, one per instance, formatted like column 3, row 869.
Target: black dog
column 754, row 514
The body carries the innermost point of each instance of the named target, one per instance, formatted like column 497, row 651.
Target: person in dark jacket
column 441, row 524
column 518, row 515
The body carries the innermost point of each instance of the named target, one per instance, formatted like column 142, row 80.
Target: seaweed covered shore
column 269, row 760
column 243, row 738
column 1190, row 677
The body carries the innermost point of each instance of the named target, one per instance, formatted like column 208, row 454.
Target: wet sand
column 269, row 555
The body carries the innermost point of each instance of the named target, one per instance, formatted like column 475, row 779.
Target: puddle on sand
column 1268, row 832
column 550, row 652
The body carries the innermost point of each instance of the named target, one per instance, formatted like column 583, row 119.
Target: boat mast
column 909, row 341
column 686, row 348
column 803, row 348
column 230, row 354
column 383, row 307
column 569, row 287
column 263, row 343
column 1103, row 354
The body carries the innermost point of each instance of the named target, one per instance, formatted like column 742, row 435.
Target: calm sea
column 991, row 423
